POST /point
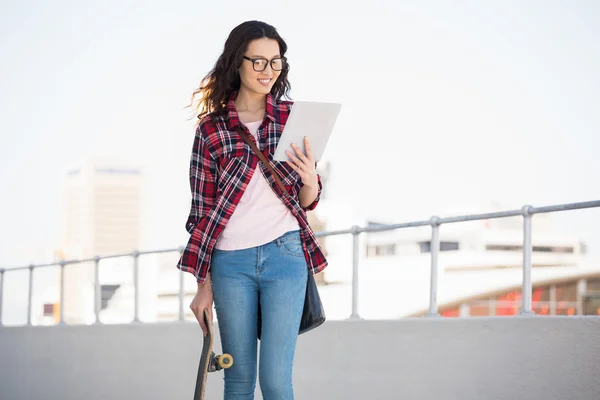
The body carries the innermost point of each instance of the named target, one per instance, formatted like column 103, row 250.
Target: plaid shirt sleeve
column 203, row 181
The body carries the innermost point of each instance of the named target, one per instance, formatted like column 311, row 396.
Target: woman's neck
column 249, row 102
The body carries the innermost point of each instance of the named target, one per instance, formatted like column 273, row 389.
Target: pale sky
column 444, row 104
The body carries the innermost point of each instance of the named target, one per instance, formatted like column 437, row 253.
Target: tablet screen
column 314, row 120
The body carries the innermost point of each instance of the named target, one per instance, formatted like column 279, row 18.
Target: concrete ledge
column 526, row 358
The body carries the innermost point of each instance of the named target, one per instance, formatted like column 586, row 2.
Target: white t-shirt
column 260, row 217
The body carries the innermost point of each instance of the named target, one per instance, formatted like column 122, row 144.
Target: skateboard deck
column 208, row 361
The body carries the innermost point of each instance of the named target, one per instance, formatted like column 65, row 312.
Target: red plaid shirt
column 221, row 166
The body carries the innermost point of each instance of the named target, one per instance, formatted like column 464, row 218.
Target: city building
column 101, row 212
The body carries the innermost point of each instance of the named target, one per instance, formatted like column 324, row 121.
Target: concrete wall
column 442, row 359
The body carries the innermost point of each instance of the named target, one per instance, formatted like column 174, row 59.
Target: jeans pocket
column 293, row 247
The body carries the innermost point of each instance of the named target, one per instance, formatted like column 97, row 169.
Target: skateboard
column 209, row 362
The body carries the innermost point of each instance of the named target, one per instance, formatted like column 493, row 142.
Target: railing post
column 527, row 249
column 30, row 295
column 62, row 293
column 1, row 292
column 97, row 292
column 355, row 233
column 181, row 290
column 552, row 299
column 136, row 286
column 435, row 248
column 581, row 290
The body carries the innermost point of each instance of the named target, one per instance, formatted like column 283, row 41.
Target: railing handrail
column 435, row 220
column 527, row 211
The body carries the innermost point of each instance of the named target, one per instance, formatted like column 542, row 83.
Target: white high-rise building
column 101, row 215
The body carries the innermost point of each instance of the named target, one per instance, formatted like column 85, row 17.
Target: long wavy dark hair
column 216, row 87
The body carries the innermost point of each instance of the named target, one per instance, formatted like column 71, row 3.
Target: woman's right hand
column 203, row 300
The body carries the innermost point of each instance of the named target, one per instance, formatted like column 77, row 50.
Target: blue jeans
column 274, row 275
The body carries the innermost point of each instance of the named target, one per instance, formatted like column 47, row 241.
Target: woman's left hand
column 304, row 165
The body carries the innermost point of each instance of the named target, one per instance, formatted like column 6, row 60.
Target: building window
column 479, row 309
column 553, row 249
column 49, row 310
column 591, row 304
column 444, row 246
column 566, row 292
column 537, row 249
column 450, row 313
column 106, row 293
column 381, row 250
column 593, row 285
column 503, row 247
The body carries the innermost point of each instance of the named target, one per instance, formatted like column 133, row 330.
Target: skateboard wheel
column 225, row 361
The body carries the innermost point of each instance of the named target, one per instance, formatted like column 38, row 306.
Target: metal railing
column 435, row 222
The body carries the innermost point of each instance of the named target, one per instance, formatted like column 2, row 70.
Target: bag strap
column 262, row 158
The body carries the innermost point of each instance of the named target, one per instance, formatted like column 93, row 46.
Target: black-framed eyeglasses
column 259, row 64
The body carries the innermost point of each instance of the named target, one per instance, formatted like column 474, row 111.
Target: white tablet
column 314, row 120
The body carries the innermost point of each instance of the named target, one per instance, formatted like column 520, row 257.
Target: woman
column 251, row 245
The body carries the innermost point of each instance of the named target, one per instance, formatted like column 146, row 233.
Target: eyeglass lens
column 260, row 64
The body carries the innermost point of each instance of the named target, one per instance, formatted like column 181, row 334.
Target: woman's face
column 258, row 76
